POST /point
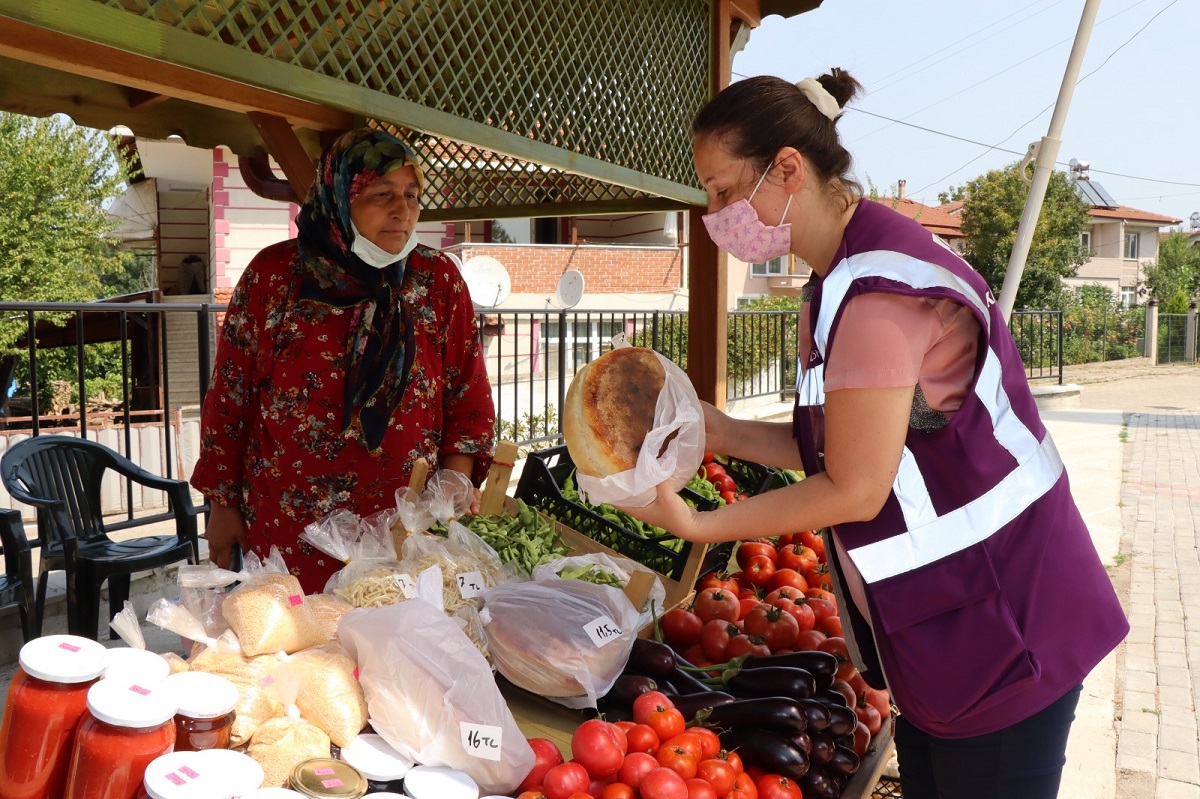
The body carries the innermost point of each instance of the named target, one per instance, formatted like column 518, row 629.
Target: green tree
column 1174, row 278
column 992, row 209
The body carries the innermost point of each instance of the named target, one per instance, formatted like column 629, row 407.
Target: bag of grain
column 330, row 695
column 268, row 611
column 280, row 743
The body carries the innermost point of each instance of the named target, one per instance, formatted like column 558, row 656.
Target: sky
column 989, row 71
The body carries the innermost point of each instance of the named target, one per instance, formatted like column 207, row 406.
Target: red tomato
column 787, row 578
column 784, row 540
column 777, row 626
column 862, row 739
column 868, row 715
column 746, row 645
column 881, row 700
column 748, row 549
column 749, row 592
column 732, row 758
column 534, row 793
column 679, row 760
column 759, row 570
column 647, row 703
column 800, row 611
column 831, row 626
column 821, row 608
column 565, row 780
column 773, row 786
column 725, row 483
column 617, row 790
column 663, row 783
column 636, row 766
column 597, row 746
column 730, row 497
column 843, row 688
column 717, row 773
column 699, row 789
column 808, row 640
column 715, row 603
column 718, row 579
column 666, row 723
column 710, row 743
column 681, row 628
column 798, row 557
column 755, row 772
column 687, row 741
column 642, row 739
column 713, row 640
column 695, row 655
column 837, row 648
column 820, row 593
column 818, row 577
column 747, row 604
column 743, row 788
column 582, row 795
column 547, row 756
column 814, row 542
column 713, row 470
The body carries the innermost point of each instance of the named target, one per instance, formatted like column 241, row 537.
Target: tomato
column 699, row 789
column 617, row 790
column 680, row 760
column 746, row 645
column 709, row 457
column 636, row 766
column 717, row 773
column 687, row 741
column 808, row 640
column 862, row 739
column 730, row 497
column 813, row 541
column 695, row 655
column 713, row 470
column 820, row 593
column 582, row 795
column 725, row 483
column 547, row 756
column 715, row 603
column 743, row 788
column 597, row 787
column 822, row 608
column 533, row 793
column 801, row 612
column 710, row 743
column 843, row 688
column 777, row 626
column 596, row 746
column 759, row 570
column 773, row 786
column 818, row 577
column 755, row 772
column 717, row 579
column 787, row 578
column 747, row 604
column 868, row 715
column 831, row 626
column 732, row 758
column 748, row 549
column 565, row 780
column 749, row 592
column 713, row 640
column 642, row 739
column 837, row 648
column 785, row 592
column 681, row 628
column 798, row 557
column 663, row 783
column 880, row 700
column 666, row 723
column 648, row 702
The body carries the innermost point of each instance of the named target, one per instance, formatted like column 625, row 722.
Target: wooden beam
column 285, row 146
column 139, row 100
column 256, row 172
column 747, row 11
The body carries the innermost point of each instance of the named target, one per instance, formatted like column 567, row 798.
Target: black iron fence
column 1173, row 345
column 1039, row 338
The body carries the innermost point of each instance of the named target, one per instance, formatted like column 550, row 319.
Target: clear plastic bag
column 282, row 742
column 431, row 694
column 621, row 568
column 371, row 577
column 268, row 611
column 448, row 495
column 203, row 589
column 468, row 564
column 678, row 434
column 566, row 640
column 330, row 695
column 412, row 512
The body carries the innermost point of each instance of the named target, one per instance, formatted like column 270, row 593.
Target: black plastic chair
column 61, row 476
column 16, row 584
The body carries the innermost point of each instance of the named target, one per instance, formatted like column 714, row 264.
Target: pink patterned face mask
column 737, row 230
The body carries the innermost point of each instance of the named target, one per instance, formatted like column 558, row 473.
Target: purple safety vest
column 987, row 598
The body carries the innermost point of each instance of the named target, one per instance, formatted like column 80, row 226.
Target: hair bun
column 839, row 83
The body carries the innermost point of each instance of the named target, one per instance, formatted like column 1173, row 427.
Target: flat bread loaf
column 610, row 409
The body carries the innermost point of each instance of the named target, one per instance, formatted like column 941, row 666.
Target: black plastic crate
column 751, row 478
column 541, row 486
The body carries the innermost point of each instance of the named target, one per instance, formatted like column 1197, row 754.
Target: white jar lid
column 136, row 665
column 183, row 775
column 64, row 659
column 439, row 782
column 375, row 758
column 242, row 773
column 123, row 703
column 390, row 795
column 271, row 793
column 200, row 695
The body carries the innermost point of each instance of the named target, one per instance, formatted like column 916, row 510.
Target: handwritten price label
column 602, row 630
column 470, row 584
column 408, row 586
column 481, row 740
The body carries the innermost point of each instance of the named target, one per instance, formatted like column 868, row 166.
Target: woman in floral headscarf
column 346, row 354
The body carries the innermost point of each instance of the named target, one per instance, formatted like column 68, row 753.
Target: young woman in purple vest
column 967, row 580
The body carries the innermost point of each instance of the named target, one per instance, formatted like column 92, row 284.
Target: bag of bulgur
column 329, row 611
column 268, row 611
column 255, row 705
column 330, row 696
column 280, row 743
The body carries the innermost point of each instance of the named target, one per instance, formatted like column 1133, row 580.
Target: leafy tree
column 1174, row 279
column 992, row 209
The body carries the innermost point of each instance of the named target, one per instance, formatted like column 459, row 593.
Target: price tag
column 408, row 586
column 481, row 740
column 602, row 630
column 470, row 584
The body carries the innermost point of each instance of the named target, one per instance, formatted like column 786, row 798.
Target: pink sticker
column 321, row 772
column 333, row 783
column 175, row 779
column 187, row 772
column 356, row 674
column 265, row 681
column 137, row 689
column 296, row 599
column 68, row 647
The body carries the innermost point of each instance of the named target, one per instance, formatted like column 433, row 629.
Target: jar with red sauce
column 126, row 727
column 204, row 706
column 47, row 700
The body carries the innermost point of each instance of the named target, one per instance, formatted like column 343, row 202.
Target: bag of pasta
column 448, row 495
column 281, row 743
column 329, row 695
column 468, row 564
column 268, row 611
column 371, row 577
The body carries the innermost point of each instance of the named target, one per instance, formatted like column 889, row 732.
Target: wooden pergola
column 530, row 107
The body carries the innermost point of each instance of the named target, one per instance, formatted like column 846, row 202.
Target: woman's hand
column 715, row 425
column 226, row 526
column 670, row 512
column 476, row 501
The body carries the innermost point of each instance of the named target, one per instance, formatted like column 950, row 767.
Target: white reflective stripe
column 912, row 494
column 969, row 525
column 810, row 387
column 1011, row 432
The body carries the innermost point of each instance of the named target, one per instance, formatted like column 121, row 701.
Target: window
column 1131, row 245
column 775, row 266
column 744, row 300
column 1085, row 241
column 1128, row 296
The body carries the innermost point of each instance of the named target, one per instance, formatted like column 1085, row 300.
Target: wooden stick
column 495, row 488
column 416, row 484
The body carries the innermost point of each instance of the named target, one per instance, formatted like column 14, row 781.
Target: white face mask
column 375, row 255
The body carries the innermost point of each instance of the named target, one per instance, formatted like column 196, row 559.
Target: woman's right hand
column 226, row 526
column 715, row 426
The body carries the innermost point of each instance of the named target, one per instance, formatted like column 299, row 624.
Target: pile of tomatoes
column 654, row 756
column 715, row 473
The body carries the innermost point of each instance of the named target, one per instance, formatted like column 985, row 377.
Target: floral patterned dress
column 272, row 439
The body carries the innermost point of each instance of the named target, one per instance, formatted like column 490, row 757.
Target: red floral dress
column 271, row 440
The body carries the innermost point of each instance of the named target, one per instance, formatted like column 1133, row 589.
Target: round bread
column 610, row 409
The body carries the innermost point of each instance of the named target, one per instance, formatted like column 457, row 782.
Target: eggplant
column 686, row 682
column 771, row 751
column 821, row 665
column 822, row 748
column 816, row 784
column 629, row 687
column 691, row 705
column 651, row 659
column 804, row 741
column 771, row 712
column 842, row 720
column 614, row 711
column 828, row 696
column 845, row 761
column 819, row 716
column 774, row 681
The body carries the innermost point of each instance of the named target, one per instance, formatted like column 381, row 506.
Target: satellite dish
column 569, row 291
column 454, row 259
column 487, row 280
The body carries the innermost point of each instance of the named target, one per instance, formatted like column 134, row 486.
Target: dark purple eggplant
column 842, row 720
column 776, row 681
column 804, row 741
column 829, row 696
column 822, row 748
column 819, row 716
column 816, row 784
column 651, row 659
column 771, row 712
column 691, row 705
column 687, row 682
column 629, row 687
column 821, row 665
column 614, row 711
column 844, row 761
column 771, row 751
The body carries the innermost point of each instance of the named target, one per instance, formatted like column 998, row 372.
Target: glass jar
column 47, row 699
column 204, row 710
column 382, row 765
column 326, row 778
column 184, row 775
column 126, row 727
column 136, row 665
column 243, row 775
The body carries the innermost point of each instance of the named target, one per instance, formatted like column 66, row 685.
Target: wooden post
column 495, row 488
column 416, row 484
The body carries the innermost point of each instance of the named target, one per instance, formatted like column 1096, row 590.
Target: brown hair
column 757, row 117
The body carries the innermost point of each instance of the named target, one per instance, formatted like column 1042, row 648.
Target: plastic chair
column 61, row 477
column 16, row 584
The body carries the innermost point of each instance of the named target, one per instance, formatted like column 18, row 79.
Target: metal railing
column 1039, row 338
column 1173, row 346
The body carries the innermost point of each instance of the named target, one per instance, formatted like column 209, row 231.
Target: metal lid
column 136, row 665
column 375, row 758
column 199, row 695
column 130, row 704
column 63, row 659
column 326, row 778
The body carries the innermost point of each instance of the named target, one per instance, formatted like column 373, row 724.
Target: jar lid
column 184, row 775
column 390, row 795
column 63, row 658
column 136, row 665
column 243, row 773
column 326, row 778
column 200, row 695
column 270, row 793
column 122, row 703
column 439, row 782
column 375, row 758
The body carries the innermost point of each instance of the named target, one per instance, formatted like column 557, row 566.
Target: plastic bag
column 678, row 433
column 268, row 611
column 330, row 695
column 255, row 704
column 468, row 564
column 566, row 640
column 621, row 568
column 448, row 495
column 203, row 589
column 329, row 611
column 281, row 743
column 412, row 512
column 371, row 576
column 432, row 696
